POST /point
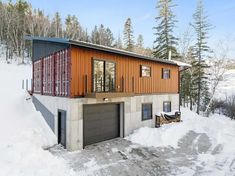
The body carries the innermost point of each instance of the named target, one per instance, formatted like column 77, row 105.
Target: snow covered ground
column 23, row 132
column 219, row 129
column 208, row 143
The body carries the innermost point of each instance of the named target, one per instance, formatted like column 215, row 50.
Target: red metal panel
column 51, row 74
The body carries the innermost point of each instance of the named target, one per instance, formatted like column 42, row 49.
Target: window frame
column 142, row 112
column 163, row 73
column 141, row 71
column 164, row 104
column 104, row 73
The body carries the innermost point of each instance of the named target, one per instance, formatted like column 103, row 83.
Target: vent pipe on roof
column 169, row 55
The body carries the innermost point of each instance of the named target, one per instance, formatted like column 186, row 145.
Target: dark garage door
column 101, row 122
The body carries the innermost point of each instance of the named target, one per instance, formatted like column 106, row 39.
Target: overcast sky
column 113, row 13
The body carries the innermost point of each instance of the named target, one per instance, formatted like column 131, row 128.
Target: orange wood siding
column 128, row 67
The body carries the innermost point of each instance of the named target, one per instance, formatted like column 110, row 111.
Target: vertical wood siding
column 126, row 67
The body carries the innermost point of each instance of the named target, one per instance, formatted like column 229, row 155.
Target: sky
column 113, row 14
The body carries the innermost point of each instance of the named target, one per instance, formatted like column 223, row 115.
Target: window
column 166, row 106
column 145, row 71
column 103, row 76
column 165, row 73
column 146, row 111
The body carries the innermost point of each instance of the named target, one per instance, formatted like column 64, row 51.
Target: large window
column 145, row 71
column 146, row 111
column 165, row 73
column 103, row 76
column 166, row 106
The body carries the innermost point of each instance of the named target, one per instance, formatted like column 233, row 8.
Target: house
column 90, row 93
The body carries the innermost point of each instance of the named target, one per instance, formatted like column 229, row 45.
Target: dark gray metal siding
column 100, row 122
column 47, row 115
column 46, row 48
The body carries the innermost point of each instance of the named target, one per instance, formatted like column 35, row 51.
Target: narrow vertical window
column 166, row 106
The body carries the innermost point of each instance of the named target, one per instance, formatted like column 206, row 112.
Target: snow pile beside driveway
column 218, row 160
column 23, row 131
column 219, row 129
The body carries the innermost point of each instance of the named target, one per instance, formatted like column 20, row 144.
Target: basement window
column 146, row 111
column 145, row 71
column 166, row 106
column 165, row 73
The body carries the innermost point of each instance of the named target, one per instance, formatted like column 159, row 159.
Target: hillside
column 23, row 131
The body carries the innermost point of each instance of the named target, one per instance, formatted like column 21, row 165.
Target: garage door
column 100, row 122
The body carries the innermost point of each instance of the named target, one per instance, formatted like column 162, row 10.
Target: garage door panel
column 101, row 122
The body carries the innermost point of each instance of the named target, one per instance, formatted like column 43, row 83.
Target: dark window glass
column 103, row 76
column 98, row 80
column 166, row 74
column 166, row 106
column 146, row 111
column 109, row 76
column 145, row 71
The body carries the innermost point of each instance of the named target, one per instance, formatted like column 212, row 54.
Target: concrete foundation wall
column 132, row 113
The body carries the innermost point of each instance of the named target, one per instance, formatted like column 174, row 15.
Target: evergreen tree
column 201, row 51
column 128, row 35
column 56, row 26
column 165, row 39
column 73, row 29
column 118, row 42
column 140, row 41
column 108, row 37
column 95, row 37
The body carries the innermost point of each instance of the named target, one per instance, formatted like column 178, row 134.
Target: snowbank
column 220, row 130
column 23, row 131
column 227, row 86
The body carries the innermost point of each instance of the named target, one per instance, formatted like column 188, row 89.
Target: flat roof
column 100, row 48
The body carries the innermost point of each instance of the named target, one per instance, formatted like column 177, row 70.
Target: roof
column 100, row 48
column 183, row 66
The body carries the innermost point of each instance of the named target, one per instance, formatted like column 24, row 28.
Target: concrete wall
column 132, row 113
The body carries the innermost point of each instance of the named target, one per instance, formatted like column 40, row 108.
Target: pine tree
column 140, row 41
column 56, row 26
column 165, row 39
column 95, row 36
column 128, row 35
column 118, row 42
column 201, row 51
column 73, row 29
column 108, row 37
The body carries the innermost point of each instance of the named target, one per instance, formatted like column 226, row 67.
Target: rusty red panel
column 51, row 74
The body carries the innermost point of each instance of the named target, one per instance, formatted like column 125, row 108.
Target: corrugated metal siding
column 126, row 67
column 52, row 74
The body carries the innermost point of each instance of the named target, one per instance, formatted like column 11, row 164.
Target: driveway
column 119, row 157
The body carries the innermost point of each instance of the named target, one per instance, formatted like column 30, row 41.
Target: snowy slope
column 227, row 86
column 23, row 132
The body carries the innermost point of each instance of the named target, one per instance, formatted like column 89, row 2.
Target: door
column 62, row 127
column 100, row 122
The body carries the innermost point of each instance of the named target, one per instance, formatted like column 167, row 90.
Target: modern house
column 90, row 93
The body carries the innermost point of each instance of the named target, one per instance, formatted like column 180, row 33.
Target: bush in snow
column 226, row 107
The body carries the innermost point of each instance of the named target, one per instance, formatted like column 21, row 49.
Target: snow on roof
column 183, row 66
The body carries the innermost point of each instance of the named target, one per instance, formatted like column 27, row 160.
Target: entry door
column 62, row 127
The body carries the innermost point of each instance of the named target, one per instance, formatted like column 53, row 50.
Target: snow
column 220, row 130
column 226, row 87
column 24, row 134
column 182, row 65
